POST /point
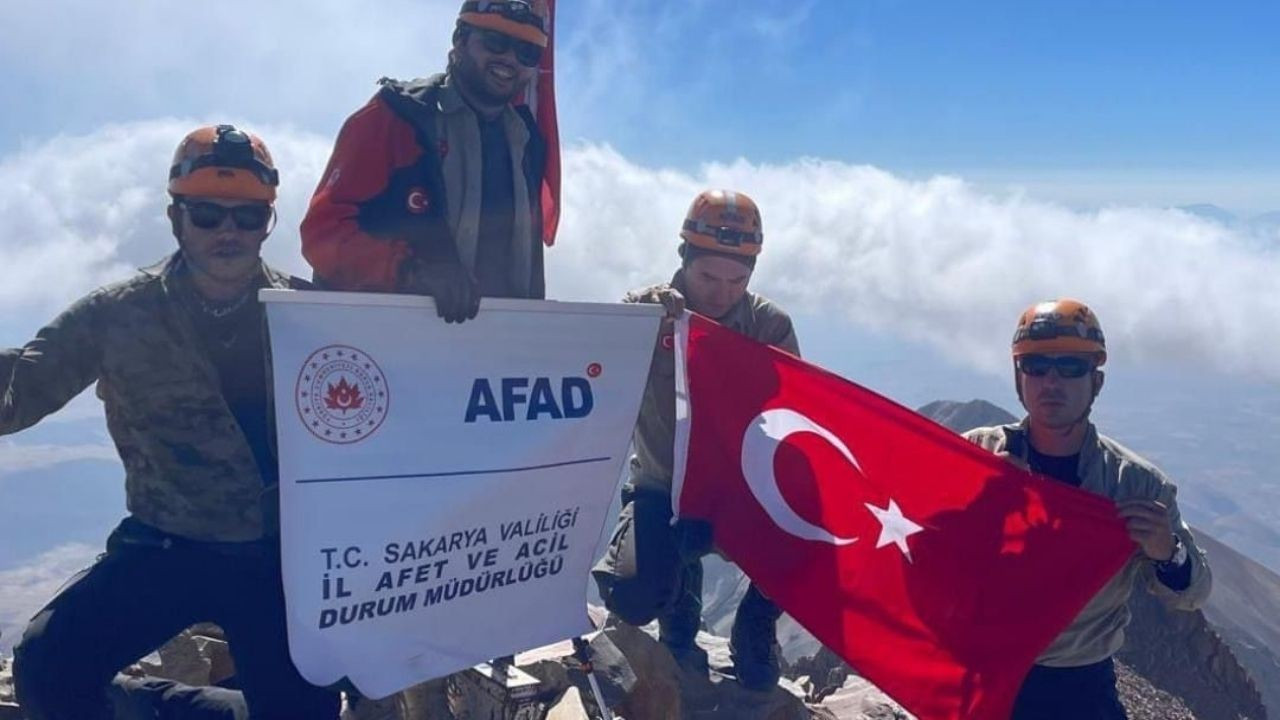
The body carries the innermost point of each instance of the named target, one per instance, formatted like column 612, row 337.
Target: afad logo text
column 512, row 399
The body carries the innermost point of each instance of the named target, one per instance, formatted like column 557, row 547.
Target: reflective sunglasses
column 1068, row 367
column 527, row 54
column 208, row 216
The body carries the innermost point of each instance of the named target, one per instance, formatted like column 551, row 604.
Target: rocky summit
column 1213, row 665
column 8, row 704
column 639, row 680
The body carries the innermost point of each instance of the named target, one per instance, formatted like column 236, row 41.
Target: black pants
column 149, row 698
column 144, row 590
column 1087, row 692
column 651, row 567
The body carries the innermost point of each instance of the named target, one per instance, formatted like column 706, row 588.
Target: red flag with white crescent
column 936, row 569
column 541, row 99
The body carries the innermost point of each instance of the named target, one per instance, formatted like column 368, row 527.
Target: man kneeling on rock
column 178, row 355
column 653, row 569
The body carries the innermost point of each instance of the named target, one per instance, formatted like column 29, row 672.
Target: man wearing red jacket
column 434, row 185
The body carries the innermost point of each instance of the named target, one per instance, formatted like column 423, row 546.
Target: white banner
column 442, row 487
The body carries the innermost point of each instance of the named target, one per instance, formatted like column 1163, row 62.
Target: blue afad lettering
column 529, row 399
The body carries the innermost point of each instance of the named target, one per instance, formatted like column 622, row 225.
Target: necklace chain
column 219, row 311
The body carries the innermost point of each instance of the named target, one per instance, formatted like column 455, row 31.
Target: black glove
column 455, row 291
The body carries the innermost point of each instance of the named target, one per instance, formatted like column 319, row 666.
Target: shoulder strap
column 535, row 167
column 415, row 102
column 535, row 154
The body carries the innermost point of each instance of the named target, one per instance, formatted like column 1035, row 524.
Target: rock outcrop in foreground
column 8, row 706
column 640, row 681
column 1162, row 677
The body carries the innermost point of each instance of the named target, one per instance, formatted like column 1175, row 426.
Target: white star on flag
column 894, row 527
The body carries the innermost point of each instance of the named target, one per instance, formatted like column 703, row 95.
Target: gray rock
column 1144, row 701
column 570, row 707
column 6, row 682
column 1180, row 654
column 8, row 704
column 391, row 708
column 196, row 656
column 664, row 690
column 857, row 699
column 424, row 700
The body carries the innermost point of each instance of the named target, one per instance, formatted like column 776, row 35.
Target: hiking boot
column 753, row 642
column 678, row 625
column 692, row 660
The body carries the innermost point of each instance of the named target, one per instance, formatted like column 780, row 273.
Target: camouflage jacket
column 654, row 439
column 1109, row 469
column 189, row 470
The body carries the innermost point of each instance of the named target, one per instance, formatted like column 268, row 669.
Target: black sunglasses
column 207, row 215
column 528, row 54
column 1068, row 367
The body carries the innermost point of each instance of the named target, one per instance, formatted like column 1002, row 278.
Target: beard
column 477, row 83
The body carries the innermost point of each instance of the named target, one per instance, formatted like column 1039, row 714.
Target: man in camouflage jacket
column 178, row 355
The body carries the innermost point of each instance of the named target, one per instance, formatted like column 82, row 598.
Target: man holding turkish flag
column 1058, row 351
column 937, row 569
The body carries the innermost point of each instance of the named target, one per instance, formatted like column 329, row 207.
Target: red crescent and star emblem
column 341, row 394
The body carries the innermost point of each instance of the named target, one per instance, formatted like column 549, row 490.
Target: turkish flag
column 541, row 99
column 936, row 569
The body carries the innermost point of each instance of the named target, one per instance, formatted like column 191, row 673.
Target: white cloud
column 15, row 458
column 933, row 260
column 84, row 210
column 26, row 588
column 938, row 261
column 151, row 57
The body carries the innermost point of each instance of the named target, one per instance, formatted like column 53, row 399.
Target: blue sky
column 925, row 170
column 943, row 86
column 1016, row 91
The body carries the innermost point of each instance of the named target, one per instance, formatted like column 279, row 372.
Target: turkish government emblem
column 341, row 394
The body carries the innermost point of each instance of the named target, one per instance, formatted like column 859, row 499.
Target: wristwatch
column 1178, row 558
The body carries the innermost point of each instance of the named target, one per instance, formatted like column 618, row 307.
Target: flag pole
column 582, row 651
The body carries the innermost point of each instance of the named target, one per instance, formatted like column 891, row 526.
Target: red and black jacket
column 382, row 198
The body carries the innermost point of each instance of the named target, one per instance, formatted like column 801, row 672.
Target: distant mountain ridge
column 1264, row 223
column 960, row 416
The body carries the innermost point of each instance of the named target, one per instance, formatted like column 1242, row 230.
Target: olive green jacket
column 1113, row 471
column 654, row 438
column 189, row 470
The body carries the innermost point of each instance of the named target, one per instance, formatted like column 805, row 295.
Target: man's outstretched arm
column 44, row 375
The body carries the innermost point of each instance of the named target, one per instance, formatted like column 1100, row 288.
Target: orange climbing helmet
column 724, row 221
column 224, row 162
column 1059, row 326
column 521, row 19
